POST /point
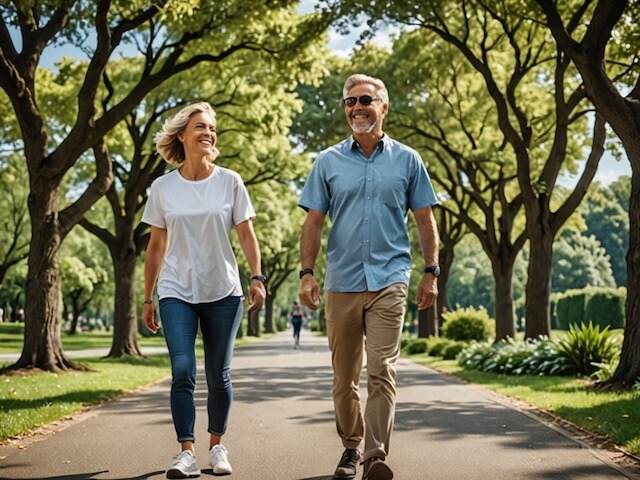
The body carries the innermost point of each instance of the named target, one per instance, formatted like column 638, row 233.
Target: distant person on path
column 191, row 211
column 366, row 184
column 296, row 316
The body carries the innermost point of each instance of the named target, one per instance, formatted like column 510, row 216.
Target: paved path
column 282, row 428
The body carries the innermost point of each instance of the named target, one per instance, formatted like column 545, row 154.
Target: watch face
column 434, row 269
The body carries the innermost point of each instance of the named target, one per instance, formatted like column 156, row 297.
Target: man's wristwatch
column 260, row 278
column 433, row 269
column 306, row 271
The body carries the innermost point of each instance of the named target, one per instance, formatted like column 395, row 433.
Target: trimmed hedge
column 600, row 306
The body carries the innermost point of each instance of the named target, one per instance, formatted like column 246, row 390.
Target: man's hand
column 309, row 292
column 427, row 291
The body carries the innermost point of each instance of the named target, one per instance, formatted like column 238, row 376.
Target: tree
column 82, row 272
column 164, row 33
column 580, row 261
column 586, row 34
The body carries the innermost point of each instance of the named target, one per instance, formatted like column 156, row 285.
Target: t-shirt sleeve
column 153, row 212
column 315, row 194
column 242, row 206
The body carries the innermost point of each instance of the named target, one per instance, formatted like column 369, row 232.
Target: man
column 366, row 184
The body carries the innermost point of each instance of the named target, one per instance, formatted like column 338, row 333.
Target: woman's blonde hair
column 360, row 78
column 167, row 143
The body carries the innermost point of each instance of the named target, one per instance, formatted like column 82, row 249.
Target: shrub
column 475, row 355
column 605, row 307
column 528, row 357
column 437, row 345
column 601, row 306
column 417, row 345
column 467, row 324
column 570, row 308
column 452, row 349
column 585, row 346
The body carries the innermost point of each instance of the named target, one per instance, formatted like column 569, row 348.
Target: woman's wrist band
column 147, row 302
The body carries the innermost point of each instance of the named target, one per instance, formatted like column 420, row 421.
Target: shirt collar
column 384, row 141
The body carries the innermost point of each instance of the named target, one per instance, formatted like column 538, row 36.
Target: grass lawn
column 614, row 416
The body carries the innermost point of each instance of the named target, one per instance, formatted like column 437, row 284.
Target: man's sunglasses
column 364, row 100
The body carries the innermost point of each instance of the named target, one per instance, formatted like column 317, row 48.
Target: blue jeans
column 219, row 322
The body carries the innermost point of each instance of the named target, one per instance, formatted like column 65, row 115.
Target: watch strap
column 306, row 271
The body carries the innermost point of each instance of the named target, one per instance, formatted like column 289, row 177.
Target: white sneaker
column 219, row 461
column 184, row 466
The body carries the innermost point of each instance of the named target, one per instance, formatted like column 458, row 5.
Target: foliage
column 602, row 306
column 586, row 346
column 416, row 345
column 533, row 357
column 452, row 349
column 606, row 213
column 580, row 261
column 468, row 324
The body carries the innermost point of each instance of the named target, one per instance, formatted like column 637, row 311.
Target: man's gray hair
column 360, row 78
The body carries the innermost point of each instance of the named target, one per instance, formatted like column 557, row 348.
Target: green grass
column 28, row 401
column 611, row 415
column 12, row 337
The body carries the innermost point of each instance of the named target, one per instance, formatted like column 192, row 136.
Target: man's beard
column 364, row 128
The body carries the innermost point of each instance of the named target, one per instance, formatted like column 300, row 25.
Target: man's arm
column 310, row 239
column 429, row 240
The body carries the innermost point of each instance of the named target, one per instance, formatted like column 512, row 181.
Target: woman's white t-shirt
column 199, row 265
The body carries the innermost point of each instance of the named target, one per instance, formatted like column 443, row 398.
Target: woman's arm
column 251, row 249
column 152, row 263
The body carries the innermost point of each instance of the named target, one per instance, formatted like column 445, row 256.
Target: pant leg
column 180, row 326
column 384, row 319
column 219, row 322
column 345, row 332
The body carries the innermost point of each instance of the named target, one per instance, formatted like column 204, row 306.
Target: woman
column 295, row 316
column 191, row 211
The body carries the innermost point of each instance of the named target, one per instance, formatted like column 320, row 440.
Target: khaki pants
column 355, row 322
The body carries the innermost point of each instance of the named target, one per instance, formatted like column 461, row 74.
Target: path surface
column 282, row 428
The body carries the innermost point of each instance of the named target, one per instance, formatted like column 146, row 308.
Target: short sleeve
column 153, row 212
column 315, row 194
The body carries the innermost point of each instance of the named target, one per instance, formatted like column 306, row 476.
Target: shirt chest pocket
column 393, row 193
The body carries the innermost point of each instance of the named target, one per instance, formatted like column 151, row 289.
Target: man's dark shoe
column 348, row 464
column 376, row 469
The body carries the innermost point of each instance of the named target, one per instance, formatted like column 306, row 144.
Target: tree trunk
column 428, row 322
column 268, row 313
column 505, row 322
column 628, row 371
column 125, row 322
column 42, row 340
column 538, row 288
column 253, row 324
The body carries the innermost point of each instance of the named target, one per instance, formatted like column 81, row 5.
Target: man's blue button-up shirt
column 367, row 200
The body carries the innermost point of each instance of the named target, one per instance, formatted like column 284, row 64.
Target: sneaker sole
column 344, row 476
column 223, row 473
column 175, row 473
column 379, row 471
